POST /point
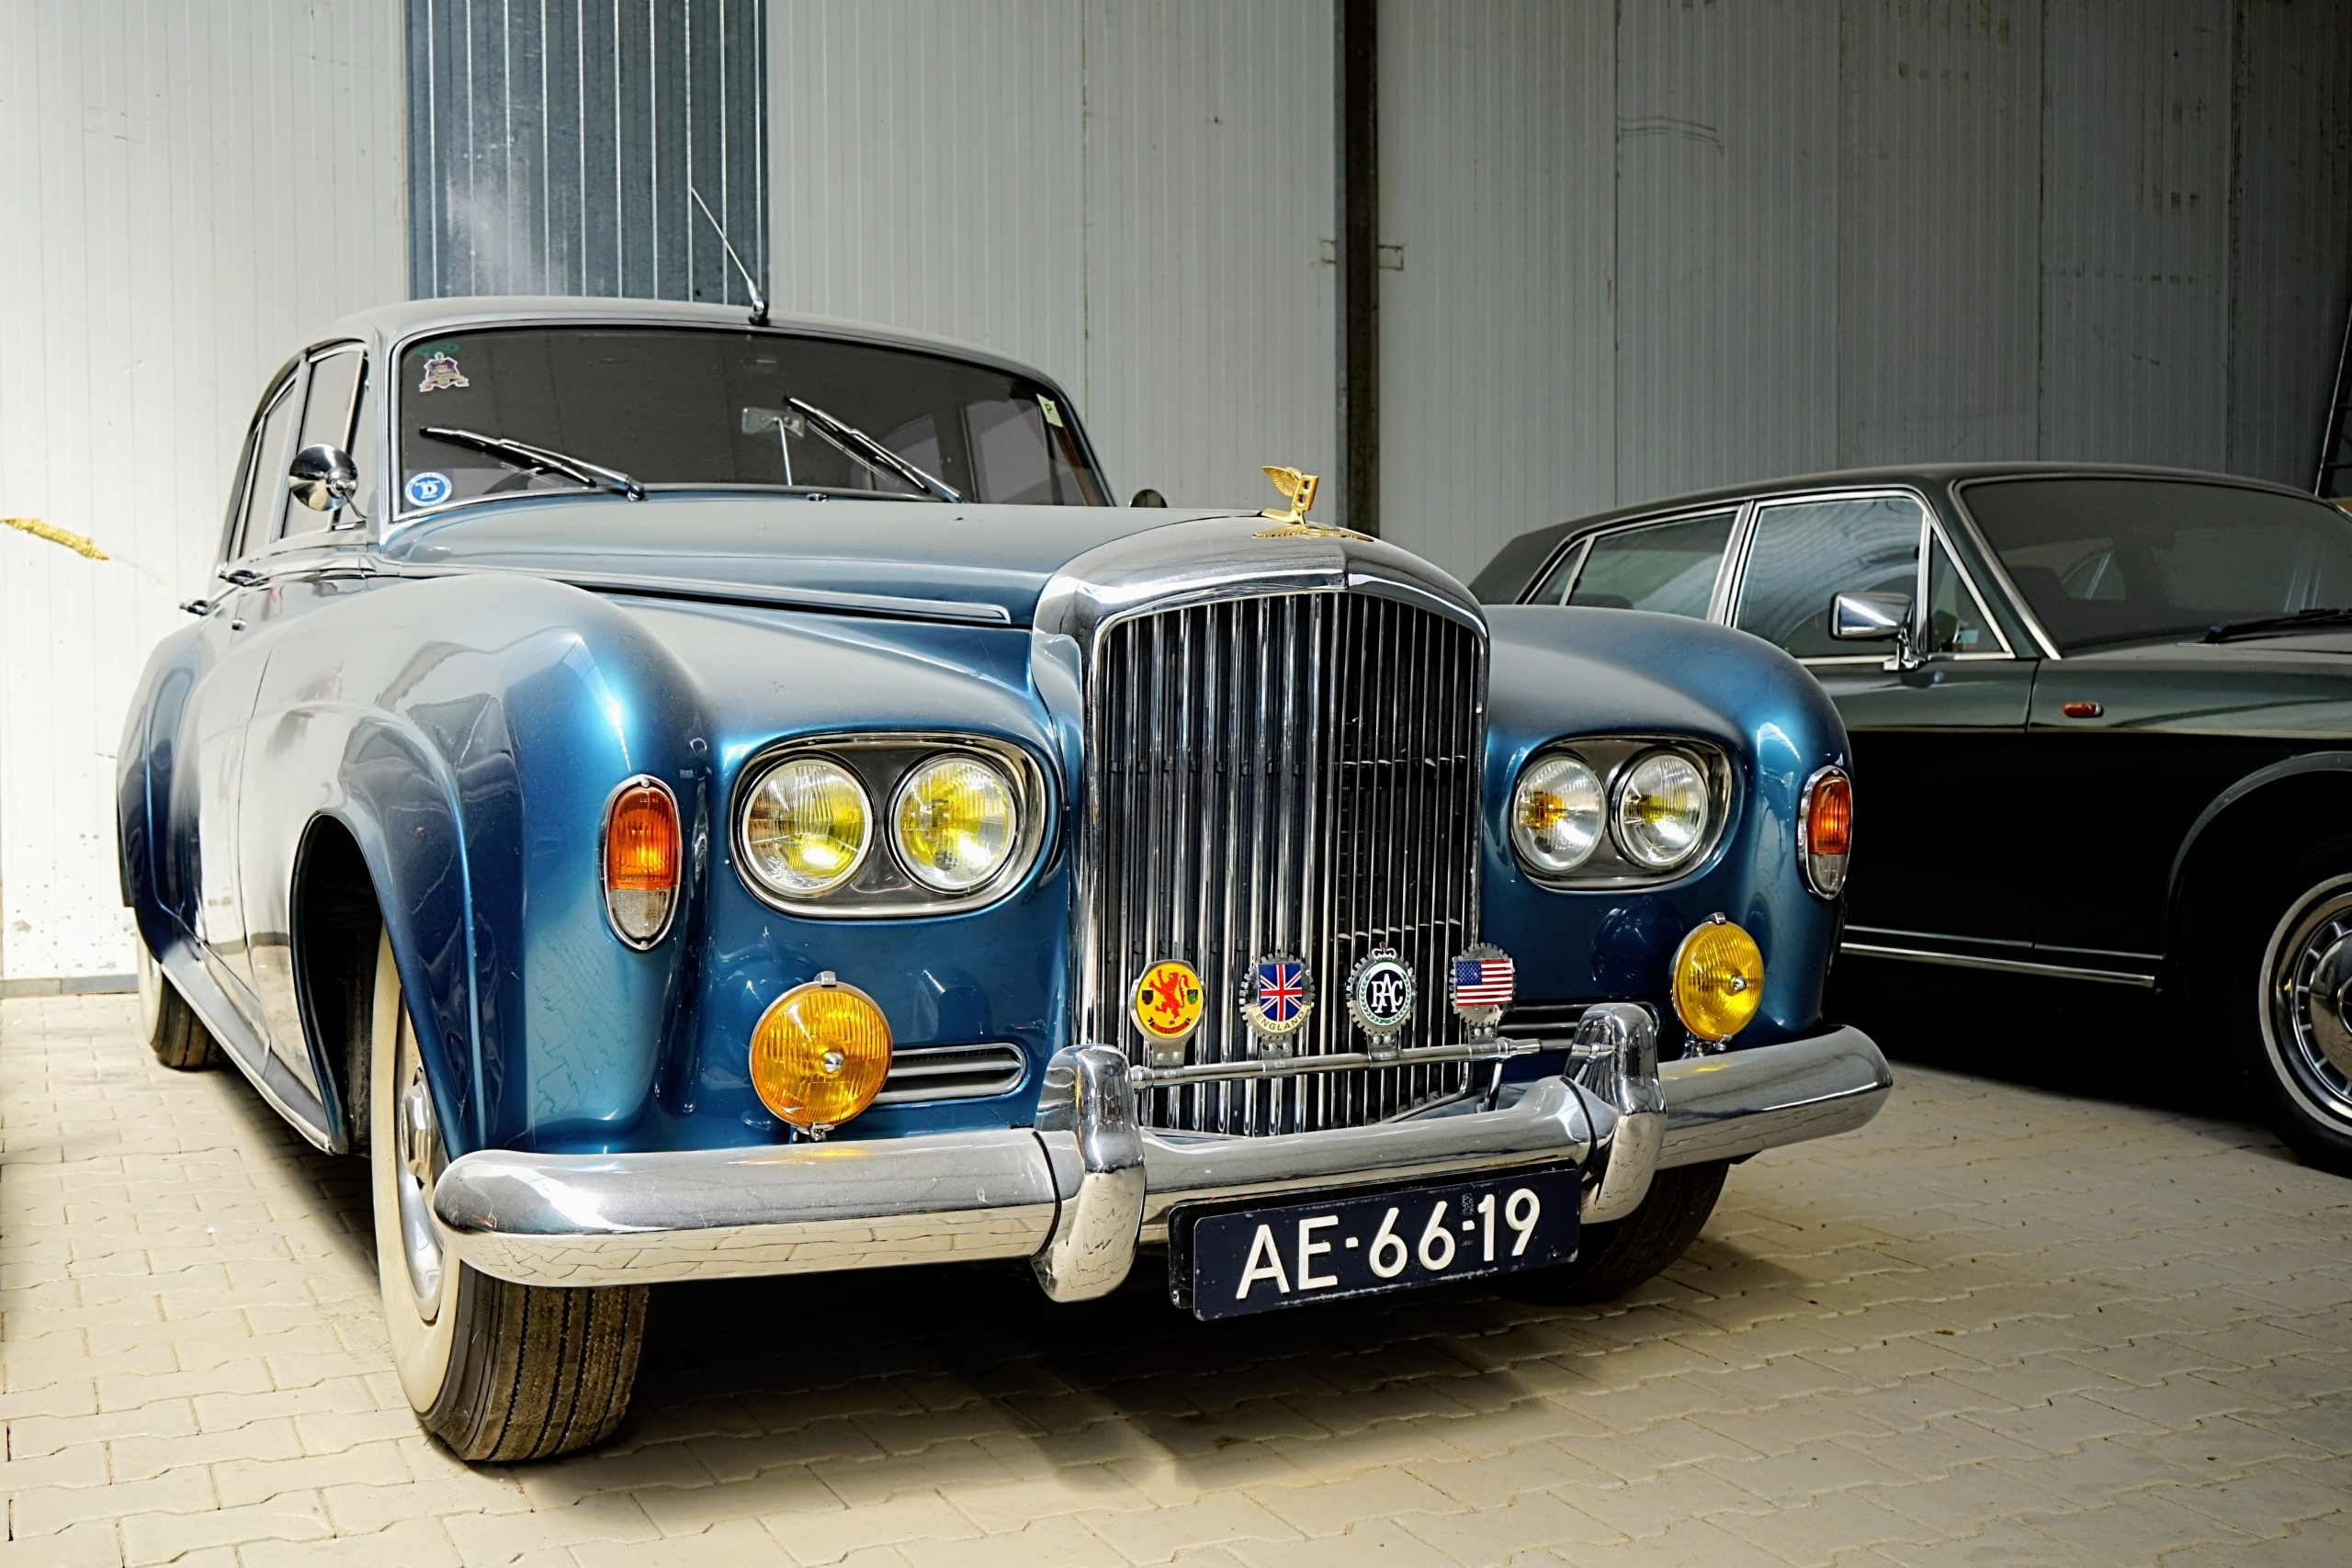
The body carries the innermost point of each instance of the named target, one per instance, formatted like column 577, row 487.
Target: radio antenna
column 759, row 302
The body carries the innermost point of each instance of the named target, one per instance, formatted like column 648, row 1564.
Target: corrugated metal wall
column 552, row 146
column 190, row 188
column 1883, row 231
column 1133, row 195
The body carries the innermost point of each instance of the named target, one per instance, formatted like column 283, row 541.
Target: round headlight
column 807, row 827
column 819, row 1053
column 1556, row 814
column 1662, row 810
column 957, row 822
column 1718, row 980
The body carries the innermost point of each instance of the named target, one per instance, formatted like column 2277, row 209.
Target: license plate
column 1260, row 1259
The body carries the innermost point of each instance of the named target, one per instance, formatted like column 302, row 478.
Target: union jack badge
column 1274, row 1002
column 1480, row 983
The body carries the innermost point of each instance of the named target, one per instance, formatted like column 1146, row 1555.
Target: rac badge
column 1274, row 1004
column 1380, row 998
column 1166, row 1007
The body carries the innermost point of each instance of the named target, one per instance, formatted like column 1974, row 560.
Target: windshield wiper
column 2272, row 626
column 593, row 475
column 858, row 446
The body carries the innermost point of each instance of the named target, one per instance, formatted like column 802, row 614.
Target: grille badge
column 1166, row 1004
column 1481, row 983
column 1275, row 1002
column 1380, row 998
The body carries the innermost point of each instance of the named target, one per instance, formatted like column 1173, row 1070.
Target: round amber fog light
column 1718, row 980
column 820, row 1054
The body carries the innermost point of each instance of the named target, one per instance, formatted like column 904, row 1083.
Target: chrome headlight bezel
column 907, row 861
column 1612, row 758
column 881, row 887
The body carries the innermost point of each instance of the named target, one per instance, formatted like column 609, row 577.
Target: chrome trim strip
column 1337, row 1061
column 1737, row 1103
column 2000, row 966
column 711, row 590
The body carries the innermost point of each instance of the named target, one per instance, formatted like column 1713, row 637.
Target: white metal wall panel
column 2291, row 231
column 1940, row 167
column 1727, row 250
column 1210, row 317
column 2134, row 231
column 1498, row 399
column 925, row 170
column 192, row 187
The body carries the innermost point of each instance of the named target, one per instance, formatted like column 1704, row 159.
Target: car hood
column 983, row 564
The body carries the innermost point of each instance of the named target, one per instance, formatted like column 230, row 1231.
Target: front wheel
column 1612, row 1259
column 174, row 1032
column 495, row 1370
column 2290, row 1006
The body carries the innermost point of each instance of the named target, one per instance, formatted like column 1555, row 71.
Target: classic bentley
column 689, row 798
column 2109, row 711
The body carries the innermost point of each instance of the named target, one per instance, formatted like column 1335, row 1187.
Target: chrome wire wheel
column 2307, row 1003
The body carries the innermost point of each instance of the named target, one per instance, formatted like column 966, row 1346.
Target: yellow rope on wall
column 55, row 535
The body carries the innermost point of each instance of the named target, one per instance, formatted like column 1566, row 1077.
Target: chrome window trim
column 1755, row 508
column 1993, row 563
column 1919, row 626
column 274, row 390
column 604, row 894
column 1032, row 789
column 1621, row 870
column 1651, row 520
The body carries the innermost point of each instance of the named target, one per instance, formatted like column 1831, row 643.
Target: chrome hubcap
column 2311, row 1000
column 417, row 1154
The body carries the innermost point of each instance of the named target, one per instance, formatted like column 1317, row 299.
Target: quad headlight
column 1557, row 813
column 955, row 820
column 1661, row 816
column 807, row 827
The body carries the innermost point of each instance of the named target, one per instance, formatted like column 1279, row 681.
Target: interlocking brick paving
column 2000, row 1326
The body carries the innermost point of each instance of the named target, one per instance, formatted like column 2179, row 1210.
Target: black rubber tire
column 1614, row 1258
column 497, row 1370
column 536, row 1370
column 174, row 1032
column 2307, row 1118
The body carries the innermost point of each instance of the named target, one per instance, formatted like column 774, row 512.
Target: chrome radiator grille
column 1296, row 774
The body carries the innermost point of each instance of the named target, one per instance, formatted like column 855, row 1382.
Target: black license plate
column 1250, row 1260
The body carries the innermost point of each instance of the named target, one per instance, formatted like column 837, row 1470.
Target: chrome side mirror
column 323, row 478
column 1876, row 617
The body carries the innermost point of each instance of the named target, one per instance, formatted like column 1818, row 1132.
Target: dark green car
column 2101, row 721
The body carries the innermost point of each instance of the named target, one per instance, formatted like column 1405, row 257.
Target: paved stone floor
column 2002, row 1326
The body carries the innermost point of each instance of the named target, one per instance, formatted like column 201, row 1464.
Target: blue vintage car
column 691, row 797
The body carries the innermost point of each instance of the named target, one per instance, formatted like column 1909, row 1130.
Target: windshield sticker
column 441, row 373
column 1053, row 415
column 426, row 488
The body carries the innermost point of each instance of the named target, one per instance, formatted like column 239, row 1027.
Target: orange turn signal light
column 642, row 858
column 1826, row 830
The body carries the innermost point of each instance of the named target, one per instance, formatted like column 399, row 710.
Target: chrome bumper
column 1076, row 1193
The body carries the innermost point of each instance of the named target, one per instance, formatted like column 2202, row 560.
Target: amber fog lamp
column 1826, row 830
column 1718, row 980
column 641, row 858
column 820, row 1054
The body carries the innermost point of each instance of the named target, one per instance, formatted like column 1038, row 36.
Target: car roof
column 386, row 326
column 1503, row 578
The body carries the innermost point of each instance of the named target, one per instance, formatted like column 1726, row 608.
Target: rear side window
column 1667, row 566
column 265, row 479
column 1807, row 552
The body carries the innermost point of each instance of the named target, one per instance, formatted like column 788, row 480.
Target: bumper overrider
column 1079, row 1192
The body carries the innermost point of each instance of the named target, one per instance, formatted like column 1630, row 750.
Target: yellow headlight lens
column 820, row 1054
column 1662, row 810
column 1718, row 980
column 807, row 827
column 956, row 822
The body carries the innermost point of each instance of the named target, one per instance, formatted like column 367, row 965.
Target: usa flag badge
column 1480, row 983
column 1275, row 1002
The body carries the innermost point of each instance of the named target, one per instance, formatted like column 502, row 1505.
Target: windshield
column 2108, row 560
column 710, row 406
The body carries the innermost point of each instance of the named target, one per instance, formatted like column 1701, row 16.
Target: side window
column 1956, row 622
column 1668, row 567
column 266, row 480
column 1807, row 552
column 326, row 421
